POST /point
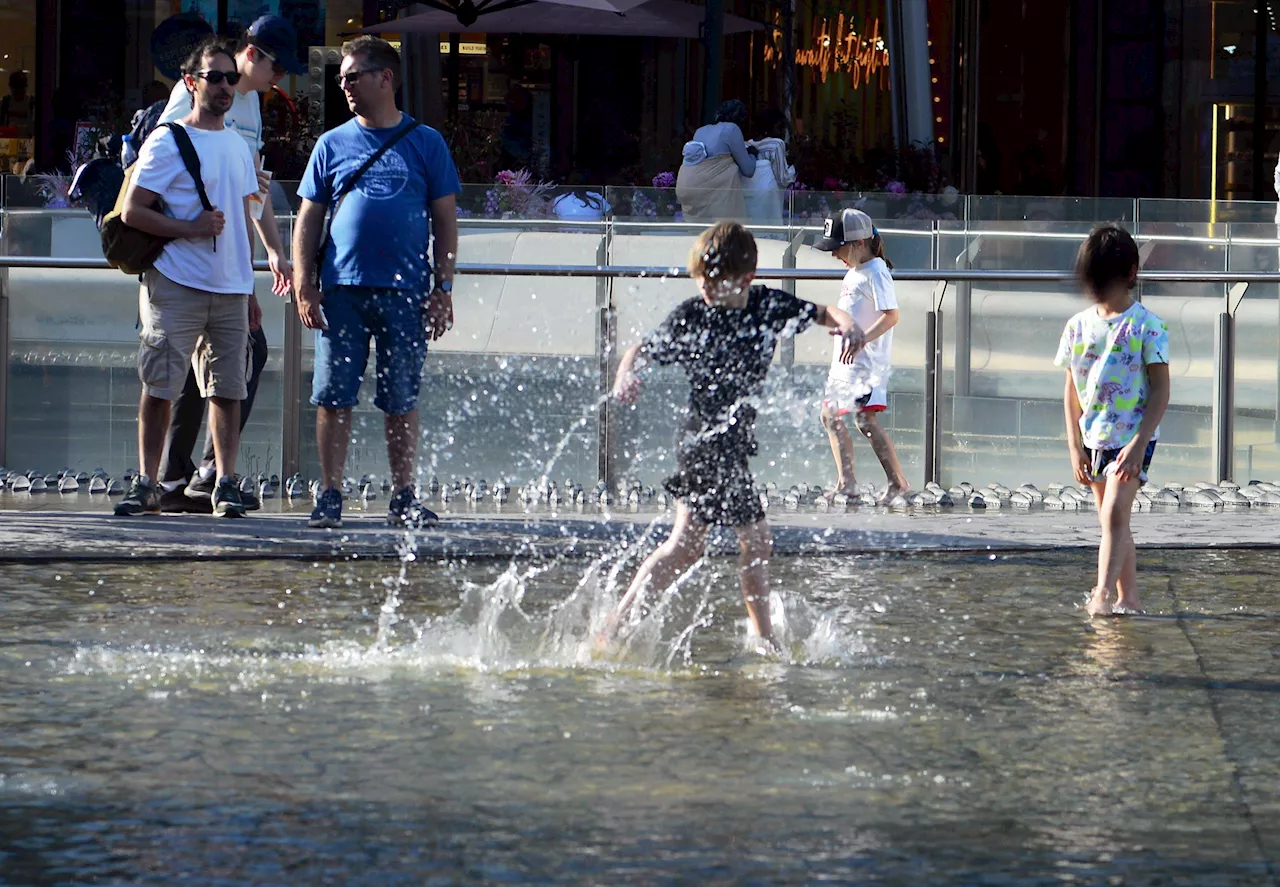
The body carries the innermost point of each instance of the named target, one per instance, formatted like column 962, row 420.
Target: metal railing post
column 964, row 315
column 607, row 346
column 933, row 386
column 787, row 347
column 6, row 340
column 1224, row 384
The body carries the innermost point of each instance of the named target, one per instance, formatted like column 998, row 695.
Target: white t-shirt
column 244, row 116
column 215, row 265
column 867, row 292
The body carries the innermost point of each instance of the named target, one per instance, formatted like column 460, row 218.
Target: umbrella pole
column 713, row 37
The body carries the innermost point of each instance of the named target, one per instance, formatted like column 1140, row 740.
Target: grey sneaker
column 141, row 499
column 406, row 511
column 328, row 510
column 226, row 500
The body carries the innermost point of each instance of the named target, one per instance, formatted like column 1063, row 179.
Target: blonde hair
column 726, row 251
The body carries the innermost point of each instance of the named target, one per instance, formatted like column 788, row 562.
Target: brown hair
column 726, row 250
column 206, row 49
column 1107, row 256
column 378, row 53
column 876, row 245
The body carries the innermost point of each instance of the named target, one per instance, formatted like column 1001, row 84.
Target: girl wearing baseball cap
column 860, row 388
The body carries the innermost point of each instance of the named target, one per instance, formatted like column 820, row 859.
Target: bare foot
column 1128, row 606
column 849, row 490
column 1099, row 604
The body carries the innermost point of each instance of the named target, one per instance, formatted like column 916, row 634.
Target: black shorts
column 1100, row 459
column 715, row 482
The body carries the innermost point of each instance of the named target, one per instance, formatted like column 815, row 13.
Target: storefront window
column 17, row 84
column 1232, row 101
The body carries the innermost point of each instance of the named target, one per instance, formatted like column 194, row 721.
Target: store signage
column 843, row 49
column 174, row 38
column 464, row 48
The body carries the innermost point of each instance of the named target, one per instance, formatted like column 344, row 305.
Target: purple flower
column 664, row 180
column 893, row 186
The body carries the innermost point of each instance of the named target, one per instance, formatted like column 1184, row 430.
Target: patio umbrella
column 467, row 12
column 642, row 18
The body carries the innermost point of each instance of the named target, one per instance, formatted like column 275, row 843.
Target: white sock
column 169, row 486
column 205, row 472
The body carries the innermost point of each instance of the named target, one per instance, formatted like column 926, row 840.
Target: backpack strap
column 409, row 125
column 190, row 159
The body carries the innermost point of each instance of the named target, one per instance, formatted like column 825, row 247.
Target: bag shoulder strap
column 409, row 125
column 190, row 159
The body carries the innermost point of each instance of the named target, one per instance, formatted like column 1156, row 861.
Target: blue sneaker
column 405, row 510
column 328, row 510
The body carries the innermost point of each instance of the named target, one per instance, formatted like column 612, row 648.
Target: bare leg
column 841, row 450
column 1117, row 551
column 402, row 446
column 153, row 425
column 333, row 435
column 869, row 425
column 755, row 547
column 224, row 428
column 681, row 551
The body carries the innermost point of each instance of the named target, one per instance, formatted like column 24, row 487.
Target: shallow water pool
column 936, row 720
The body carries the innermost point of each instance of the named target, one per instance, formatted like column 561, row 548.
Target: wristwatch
column 445, row 286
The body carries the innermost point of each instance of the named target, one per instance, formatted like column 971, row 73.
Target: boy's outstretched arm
column 1129, row 462
column 1071, row 408
column 841, row 324
column 626, row 384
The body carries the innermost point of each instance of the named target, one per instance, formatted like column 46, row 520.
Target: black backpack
column 144, row 122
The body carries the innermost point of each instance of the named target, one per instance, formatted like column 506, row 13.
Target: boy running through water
column 1116, row 354
column 861, row 387
column 725, row 341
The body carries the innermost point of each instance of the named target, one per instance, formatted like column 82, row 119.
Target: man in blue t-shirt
column 374, row 270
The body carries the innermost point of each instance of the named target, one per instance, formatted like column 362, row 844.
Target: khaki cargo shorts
column 178, row 321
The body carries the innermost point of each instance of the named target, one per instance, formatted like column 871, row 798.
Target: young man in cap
column 266, row 52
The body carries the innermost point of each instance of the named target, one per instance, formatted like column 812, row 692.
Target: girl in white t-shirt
column 861, row 388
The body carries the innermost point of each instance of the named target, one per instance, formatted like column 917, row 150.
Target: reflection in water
column 937, row 720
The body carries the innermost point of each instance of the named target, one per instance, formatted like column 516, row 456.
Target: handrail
column 972, row 275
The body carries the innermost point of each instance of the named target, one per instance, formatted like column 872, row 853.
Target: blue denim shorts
column 393, row 319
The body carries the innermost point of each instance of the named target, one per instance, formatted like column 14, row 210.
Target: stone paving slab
column 61, row 535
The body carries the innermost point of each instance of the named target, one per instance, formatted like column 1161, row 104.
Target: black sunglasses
column 350, row 78
column 216, row 77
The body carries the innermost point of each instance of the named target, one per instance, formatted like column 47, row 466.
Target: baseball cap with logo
column 844, row 227
column 275, row 35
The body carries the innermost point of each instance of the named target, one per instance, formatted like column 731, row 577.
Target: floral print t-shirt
column 1107, row 358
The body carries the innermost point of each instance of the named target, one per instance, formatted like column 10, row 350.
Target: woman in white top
column 763, row 192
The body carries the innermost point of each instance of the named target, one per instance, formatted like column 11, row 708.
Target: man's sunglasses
column 276, row 67
column 350, row 78
column 216, row 77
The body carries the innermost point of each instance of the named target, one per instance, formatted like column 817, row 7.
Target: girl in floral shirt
column 1116, row 354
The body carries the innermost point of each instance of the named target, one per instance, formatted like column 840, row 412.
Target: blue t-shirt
column 381, row 234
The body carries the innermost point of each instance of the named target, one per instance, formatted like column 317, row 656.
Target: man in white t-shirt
column 199, row 286
column 265, row 54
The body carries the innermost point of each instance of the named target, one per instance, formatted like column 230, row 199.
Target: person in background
column 17, row 109
column 265, row 54
column 578, row 202
column 714, row 163
column 763, row 192
column 376, row 279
